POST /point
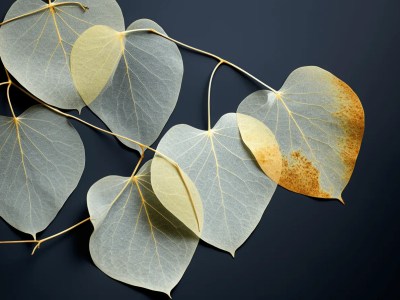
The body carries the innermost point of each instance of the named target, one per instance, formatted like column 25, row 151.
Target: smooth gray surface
column 302, row 249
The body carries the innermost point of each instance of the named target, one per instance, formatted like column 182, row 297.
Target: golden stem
column 142, row 146
column 209, row 54
column 58, row 234
column 39, row 242
column 9, row 101
column 209, row 93
column 139, row 162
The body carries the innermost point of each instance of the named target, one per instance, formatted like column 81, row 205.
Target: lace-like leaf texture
column 234, row 190
column 130, row 80
column 318, row 122
column 41, row 162
column 135, row 239
column 36, row 48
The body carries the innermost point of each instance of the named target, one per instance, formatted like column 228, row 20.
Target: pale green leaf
column 234, row 190
column 144, row 86
column 178, row 193
column 318, row 122
column 36, row 48
column 136, row 240
column 41, row 161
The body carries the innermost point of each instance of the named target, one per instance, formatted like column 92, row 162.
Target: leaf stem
column 138, row 163
column 209, row 93
column 209, row 54
column 9, row 101
column 58, row 234
column 40, row 242
column 50, row 6
column 142, row 146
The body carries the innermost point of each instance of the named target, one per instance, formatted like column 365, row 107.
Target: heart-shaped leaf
column 234, row 190
column 318, row 122
column 41, row 161
column 36, row 48
column 136, row 86
column 135, row 239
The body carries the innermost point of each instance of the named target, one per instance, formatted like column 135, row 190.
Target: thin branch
column 139, row 162
column 9, row 101
column 17, row 242
column 202, row 52
column 209, row 92
column 142, row 146
column 40, row 242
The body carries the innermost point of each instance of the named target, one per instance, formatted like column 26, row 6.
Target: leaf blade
column 143, row 91
column 41, row 161
column 262, row 143
column 325, row 122
column 41, row 44
column 177, row 193
column 97, row 44
column 234, row 190
column 150, row 248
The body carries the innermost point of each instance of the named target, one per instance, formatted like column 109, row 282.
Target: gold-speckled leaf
column 318, row 121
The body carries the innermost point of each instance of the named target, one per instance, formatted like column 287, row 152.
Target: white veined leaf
column 136, row 86
column 41, row 162
column 135, row 239
column 233, row 189
column 36, row 48
column 318, row 122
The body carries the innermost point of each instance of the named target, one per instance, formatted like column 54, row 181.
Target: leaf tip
column 233, row 253
column 341, row 200
column 168, row 293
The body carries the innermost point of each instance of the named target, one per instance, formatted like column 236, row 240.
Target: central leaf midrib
column 290, row 113
column 24, row 167
column 219, row 182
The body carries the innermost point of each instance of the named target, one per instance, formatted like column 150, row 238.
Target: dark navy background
column 303, row 248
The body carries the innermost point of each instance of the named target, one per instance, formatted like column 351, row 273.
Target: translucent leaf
column 36, row 48
column 318, row 122
column 144, row 85
column 262, row 143
column 178, row 194
column 41, row 161
column 136, row 240
column 97, row 44
column 234, row 190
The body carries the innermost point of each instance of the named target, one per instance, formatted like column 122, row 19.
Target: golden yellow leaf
column 177, row 193
column 262, row 143
column 94, row 59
